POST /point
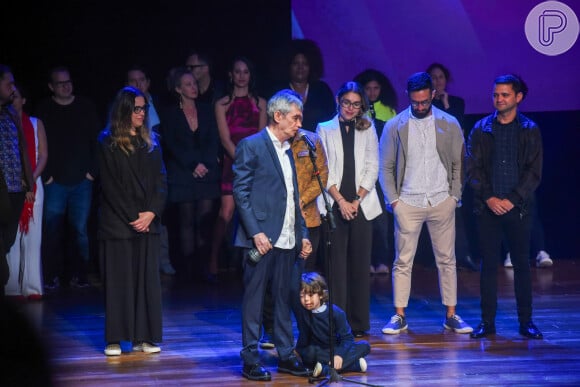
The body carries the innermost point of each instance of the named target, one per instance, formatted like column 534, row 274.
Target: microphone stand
column 330, row 226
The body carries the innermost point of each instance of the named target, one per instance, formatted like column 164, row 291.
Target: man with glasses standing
column 72, row 125
column 421, row 152
column 210, row 89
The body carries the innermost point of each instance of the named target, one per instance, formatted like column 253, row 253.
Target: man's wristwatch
column 357, row 197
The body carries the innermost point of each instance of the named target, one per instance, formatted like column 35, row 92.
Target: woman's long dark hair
column 387, row 96
column 252, row 91
column 120, row 121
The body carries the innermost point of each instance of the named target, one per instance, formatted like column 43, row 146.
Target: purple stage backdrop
column 476, row 40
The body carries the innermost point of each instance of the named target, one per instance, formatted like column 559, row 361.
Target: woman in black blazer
column 191, row 149
column 133, row 193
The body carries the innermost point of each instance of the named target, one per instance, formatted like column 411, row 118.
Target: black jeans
column 517, row 228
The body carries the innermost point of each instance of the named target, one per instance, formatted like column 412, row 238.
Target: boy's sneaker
column 543, row 259
column 362, row 364
column 146, row 347
column 113, row 349
column 266, row 341
column 397, row 324
column 320, row 370
column 508, row 261
column 456, row 323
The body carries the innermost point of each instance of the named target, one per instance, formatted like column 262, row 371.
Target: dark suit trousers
column 517, row 231
column 275, row 270
column 350, row 258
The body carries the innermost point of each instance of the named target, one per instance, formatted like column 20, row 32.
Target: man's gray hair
column 282, row 102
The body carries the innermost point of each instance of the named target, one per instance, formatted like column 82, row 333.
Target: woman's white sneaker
column 146, row 347
column 113, row 350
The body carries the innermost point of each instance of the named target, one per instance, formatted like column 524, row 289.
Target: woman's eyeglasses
column 345, row 103
column 140, row 109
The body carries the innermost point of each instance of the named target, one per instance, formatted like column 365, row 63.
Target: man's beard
column 421, row 114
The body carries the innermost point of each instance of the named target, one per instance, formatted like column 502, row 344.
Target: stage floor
column 202, row 337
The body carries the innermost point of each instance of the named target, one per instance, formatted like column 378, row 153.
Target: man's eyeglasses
column 193, row 67
column 345, row 103
column 140, row 109
column 425, row 103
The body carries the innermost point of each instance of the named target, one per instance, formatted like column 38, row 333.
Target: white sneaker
column 146, row 347
column 113, row 350
column 363, row 364
column 508, row 261
column 543, row 259
column 317, row 369
column 382, row 269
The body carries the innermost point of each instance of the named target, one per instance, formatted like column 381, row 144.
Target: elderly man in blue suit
column 266, row 196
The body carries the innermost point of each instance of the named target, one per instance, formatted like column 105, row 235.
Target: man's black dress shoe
column 256, row 372
column 483, row 329
column 293, row 366
column 531, row 331
column 359, row 334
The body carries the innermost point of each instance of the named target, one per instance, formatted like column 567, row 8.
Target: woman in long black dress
column 133, row 194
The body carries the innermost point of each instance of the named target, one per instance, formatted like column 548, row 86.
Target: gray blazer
column 393, row 150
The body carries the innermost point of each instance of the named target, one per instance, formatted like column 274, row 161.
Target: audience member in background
column 309, row 190
column 382, row 107
column 381, row 94
column 137, row 76
column 191, row 143
column 266, row 194
column 133, row 189
column 314, row 336
column 456, row 107
column 16, row 182
column 421, row 153
column 302, row 72
column 24, row 257
column 450, row 104
column 240, row 113
column 351, row 147
column 504, row 168
column 210, row 89
column 72, row 126
column 538, row 240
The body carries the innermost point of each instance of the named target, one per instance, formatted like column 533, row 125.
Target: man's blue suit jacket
column 260, row 192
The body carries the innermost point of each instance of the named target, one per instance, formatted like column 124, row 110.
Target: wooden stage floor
column 202, row 337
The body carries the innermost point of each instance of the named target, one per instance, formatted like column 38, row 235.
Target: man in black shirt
column 72, row 126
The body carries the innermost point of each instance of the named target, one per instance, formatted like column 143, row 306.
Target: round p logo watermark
column 552, row 28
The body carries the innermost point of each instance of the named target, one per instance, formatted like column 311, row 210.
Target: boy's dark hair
column 314, row 283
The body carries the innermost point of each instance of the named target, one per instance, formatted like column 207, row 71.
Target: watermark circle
column 552, row 28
